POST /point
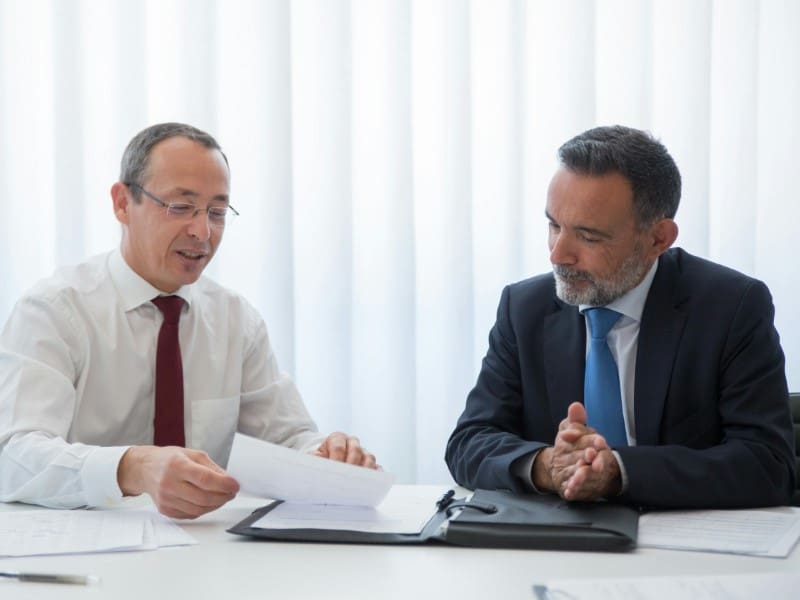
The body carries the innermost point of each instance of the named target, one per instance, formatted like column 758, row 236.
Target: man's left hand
column 597, row 476
column 346, row 448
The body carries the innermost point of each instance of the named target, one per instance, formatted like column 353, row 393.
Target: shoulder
column 533, row 287
column 538, row 291
column 528, row 301
column 59, row 307
column 71, row 284
column 705, row 279
column 703, row 269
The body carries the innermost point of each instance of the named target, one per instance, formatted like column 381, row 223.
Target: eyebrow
column 186, row 192
column 589, row 230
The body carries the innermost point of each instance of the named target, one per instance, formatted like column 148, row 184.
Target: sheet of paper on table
column 770, row 532
column 406, row 510
column 759, row 586
column 272, row 471
column 50, row 531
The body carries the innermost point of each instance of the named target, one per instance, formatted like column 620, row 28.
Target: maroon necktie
column 168, row 422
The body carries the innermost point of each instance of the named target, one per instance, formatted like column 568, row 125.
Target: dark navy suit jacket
column 712, row 417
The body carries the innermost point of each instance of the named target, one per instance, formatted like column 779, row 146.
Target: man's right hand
column 183, row 483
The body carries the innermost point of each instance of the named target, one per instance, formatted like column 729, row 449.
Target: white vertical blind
column 322, row 218
column 733, row 129
column 382, row 317
column 443, row 253
column 777, row 208
column 390, row 159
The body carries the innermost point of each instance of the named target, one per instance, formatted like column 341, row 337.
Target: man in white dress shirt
column 78, row 353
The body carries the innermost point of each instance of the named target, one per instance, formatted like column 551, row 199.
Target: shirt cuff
column 522, row 468
column 622, row 472
column 99, row 475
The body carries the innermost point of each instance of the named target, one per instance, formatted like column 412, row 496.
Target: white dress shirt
column 77, row 373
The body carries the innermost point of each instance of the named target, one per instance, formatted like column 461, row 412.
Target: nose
column 561, row 251
column 199, row 227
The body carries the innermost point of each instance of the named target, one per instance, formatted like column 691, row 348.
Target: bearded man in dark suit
column 699, row 415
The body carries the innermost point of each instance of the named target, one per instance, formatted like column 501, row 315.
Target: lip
column 190, row 254
column 570, row 278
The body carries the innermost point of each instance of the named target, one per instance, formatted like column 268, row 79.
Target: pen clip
column 445, row 500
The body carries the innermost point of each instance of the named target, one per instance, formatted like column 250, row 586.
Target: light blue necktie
column 601, row 395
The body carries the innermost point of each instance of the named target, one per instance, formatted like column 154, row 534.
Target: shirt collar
column 631, row 303
column 133, row 289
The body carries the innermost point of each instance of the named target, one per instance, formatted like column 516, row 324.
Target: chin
column 574, row 292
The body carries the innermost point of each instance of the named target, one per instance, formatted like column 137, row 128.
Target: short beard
column 600, row 292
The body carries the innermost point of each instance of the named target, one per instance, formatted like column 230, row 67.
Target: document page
column 51, row 531
column 405, row 510
column 272, row 471
column 762, row 586
column 769, row 532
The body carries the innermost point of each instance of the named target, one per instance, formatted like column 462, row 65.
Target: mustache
column 571, row 274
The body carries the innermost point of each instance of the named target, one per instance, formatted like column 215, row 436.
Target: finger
column 604, row 460
column 361, row 458
column 589, row 455
column 370, row 462
column 210, row 480
column 571, row 487
column 579, row 437
column 174, row 513
column 575, row 484
column 180, row 507
column 178, row 498
column 355, row 453
column 335, row 445
column 571, row 435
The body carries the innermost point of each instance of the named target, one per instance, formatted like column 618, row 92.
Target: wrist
column 540, row 471
column 129, row 471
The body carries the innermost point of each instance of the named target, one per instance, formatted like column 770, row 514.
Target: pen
column 50, row 578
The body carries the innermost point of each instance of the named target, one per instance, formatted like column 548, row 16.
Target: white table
column 224, row 566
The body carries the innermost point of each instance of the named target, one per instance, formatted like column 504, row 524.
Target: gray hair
column 136, row 157
column 636, row 155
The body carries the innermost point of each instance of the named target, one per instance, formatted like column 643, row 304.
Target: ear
column 120, row 196
column 661, row 235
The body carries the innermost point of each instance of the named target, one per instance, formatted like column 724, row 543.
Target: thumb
column 576, row 413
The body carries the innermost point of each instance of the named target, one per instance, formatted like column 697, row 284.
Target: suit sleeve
column 488, row 436
column 752, row 463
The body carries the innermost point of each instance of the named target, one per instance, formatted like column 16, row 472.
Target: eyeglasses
column 184, row 211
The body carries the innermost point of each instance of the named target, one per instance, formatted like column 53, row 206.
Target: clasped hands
column 186, row 483
column 580, row 464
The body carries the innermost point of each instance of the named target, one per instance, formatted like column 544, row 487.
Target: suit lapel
column 660, row 331
column 564, row 352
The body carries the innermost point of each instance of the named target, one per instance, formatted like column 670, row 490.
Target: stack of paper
column 37, row 532
column 769, row 532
